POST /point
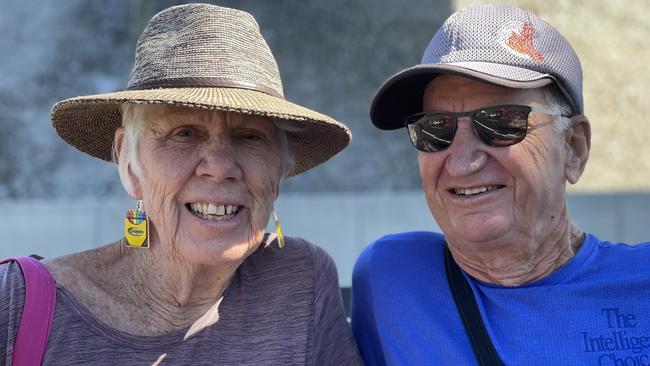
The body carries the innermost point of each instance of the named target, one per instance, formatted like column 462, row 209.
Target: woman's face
column 208, row 180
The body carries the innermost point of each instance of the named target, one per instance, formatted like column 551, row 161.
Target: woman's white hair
column 133, row 124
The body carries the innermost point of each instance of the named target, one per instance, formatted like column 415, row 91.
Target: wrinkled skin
column 192, row 155
column 184, row 156
column 521, row 231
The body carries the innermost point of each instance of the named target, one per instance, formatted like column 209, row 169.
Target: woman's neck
column 176, row 293
column 144, row 291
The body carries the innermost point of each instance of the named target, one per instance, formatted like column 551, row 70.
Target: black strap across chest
column 482, row 346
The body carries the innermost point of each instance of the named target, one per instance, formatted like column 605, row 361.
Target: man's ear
column 130, row 181
column 577, row 143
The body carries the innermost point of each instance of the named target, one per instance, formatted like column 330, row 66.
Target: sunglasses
column 501, row 125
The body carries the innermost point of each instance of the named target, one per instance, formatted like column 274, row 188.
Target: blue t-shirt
column 594, row 310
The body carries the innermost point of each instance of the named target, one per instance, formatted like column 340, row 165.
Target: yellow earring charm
column 136, row 228
column 278, row 230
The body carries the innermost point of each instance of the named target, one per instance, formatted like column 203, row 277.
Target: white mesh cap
column 500, row 44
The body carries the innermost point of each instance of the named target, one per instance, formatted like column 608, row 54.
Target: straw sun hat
column 201, row 56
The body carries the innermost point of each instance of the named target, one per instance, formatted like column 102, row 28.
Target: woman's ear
column 130, row 181
column 577, row 143
column 117, row 144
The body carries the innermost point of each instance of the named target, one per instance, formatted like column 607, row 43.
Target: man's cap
column 499, row 44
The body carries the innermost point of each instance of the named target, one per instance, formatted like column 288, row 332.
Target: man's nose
column 466, row 155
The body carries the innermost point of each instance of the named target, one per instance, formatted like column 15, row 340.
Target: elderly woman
column 202, row 137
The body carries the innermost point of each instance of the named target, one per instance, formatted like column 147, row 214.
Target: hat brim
column 401, row 95
column 89, row 122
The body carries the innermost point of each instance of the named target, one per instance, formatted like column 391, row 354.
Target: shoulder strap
column 38, row 313
column 466, row 303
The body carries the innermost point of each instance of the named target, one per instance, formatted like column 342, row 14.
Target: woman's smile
column 212, row 212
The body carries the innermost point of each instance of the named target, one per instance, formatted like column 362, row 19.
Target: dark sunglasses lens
column 431, row 132
column 502, row 126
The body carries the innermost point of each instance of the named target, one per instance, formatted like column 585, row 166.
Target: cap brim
column 89, row 122
column 401, row 95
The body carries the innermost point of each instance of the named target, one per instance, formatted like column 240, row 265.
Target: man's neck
column 512, row 263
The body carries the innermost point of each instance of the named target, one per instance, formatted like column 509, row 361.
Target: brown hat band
column 203, row 82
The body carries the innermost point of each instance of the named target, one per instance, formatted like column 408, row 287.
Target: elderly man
column 496, row 112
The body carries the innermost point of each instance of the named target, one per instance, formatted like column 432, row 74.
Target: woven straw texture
column 201, row 56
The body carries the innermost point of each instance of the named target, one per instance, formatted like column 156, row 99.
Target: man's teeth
column 475, row 190
column 208, row 210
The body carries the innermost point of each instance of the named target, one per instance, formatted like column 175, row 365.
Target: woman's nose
column 219, row 160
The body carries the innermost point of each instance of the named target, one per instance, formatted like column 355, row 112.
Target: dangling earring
column 278, row 230
column 136, row 228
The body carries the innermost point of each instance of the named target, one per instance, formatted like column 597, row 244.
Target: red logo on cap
column 523, row 43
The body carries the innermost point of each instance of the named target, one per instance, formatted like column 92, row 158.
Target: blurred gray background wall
column 343, row 223
column 332, row 56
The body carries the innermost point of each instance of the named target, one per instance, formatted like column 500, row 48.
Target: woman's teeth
column 475, row 190
column 211, row 212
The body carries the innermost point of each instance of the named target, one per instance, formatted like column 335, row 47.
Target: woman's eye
column 252, row 136
column 185, row 133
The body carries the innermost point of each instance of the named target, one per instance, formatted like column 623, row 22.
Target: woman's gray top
column 283, row 307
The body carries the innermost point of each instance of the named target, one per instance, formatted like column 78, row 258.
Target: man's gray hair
column 555, row 102
column 558, row 103
column 133, row 124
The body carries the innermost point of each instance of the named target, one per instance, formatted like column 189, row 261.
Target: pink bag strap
column 38, row 312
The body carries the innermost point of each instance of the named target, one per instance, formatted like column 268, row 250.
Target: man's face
column 515, row 191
